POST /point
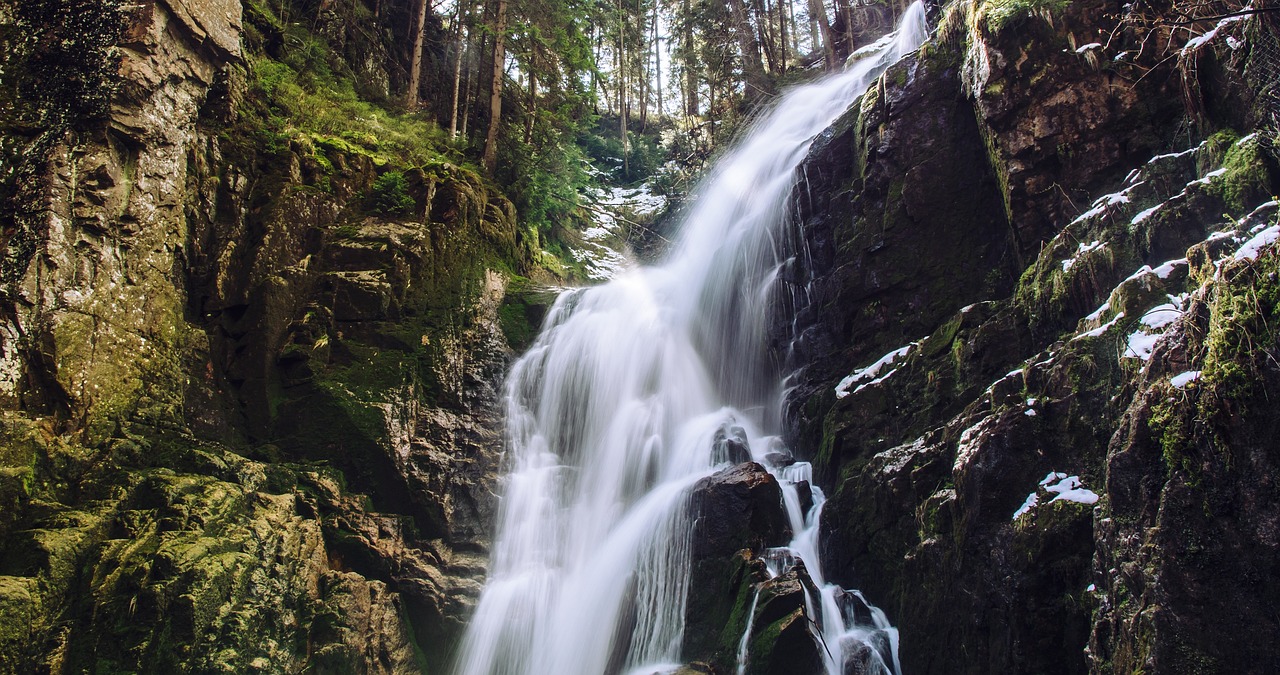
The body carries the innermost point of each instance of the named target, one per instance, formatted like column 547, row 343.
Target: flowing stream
column 613, row 414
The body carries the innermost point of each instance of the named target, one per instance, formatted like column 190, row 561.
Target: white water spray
column 613, row 413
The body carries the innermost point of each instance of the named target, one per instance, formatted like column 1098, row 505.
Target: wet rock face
column 738, row 508
column 1024, row 454
column 737, row 513
column 903, row 222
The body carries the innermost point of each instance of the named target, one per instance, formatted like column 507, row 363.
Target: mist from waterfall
column 612, row 417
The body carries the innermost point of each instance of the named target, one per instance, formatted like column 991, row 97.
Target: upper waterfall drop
column 613, row 412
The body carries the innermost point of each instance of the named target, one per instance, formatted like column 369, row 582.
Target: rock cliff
column 250, row 370
column 1040, row 336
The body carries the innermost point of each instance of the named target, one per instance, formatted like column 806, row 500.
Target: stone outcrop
column 738, row 513
column 251, row 422
column 1042, row 269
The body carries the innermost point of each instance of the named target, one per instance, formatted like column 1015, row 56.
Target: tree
column 459, row 54
column 818, row 14
column 754, row 78
column 490, row 159
column 415, row 70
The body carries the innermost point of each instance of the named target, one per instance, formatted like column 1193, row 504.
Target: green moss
column 1171, row 422
column 1001, row 14
column 299, row 96
column 1241, row 332
column 1247, row 180
column 1214, row 151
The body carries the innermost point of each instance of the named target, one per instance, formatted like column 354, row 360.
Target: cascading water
column 612, row 415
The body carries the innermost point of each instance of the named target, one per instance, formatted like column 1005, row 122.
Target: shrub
column 390, row 195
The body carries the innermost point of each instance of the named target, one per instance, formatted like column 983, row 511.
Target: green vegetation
column 308, row 92
column 389, row 195
column 1005, row 14
column 1247, row 175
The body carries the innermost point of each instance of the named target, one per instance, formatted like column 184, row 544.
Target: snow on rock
column 1160, row 316
column 1151, row 327
column 1063, row 487
column 1183, row 379
column 1101, row 204
column 1208, row 177
column 1140, row 345
column 1082, row 250
column 1072, row 490
column 1175, row 155
column 1250, row 249
column 1032, row 500
column 1143, row 215
column 870, row 375
column 1084, row 48
column 1097, row 332
column 1097, row 313
column 1163, row 271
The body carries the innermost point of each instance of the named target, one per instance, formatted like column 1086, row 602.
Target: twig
column 1243, row 12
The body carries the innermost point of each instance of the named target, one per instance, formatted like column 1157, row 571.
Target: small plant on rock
column 390, row 195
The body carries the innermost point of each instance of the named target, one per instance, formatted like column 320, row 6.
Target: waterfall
column 614, row 410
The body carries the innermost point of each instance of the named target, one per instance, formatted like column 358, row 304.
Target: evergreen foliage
column 390, row 195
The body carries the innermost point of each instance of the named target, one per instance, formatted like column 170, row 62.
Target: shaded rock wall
column 1030, row 235
column 250, row 423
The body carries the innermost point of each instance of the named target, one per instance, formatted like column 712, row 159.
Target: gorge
column 958, row 358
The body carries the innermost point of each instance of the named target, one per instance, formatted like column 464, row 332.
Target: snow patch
column 1032, row 500
column 1064, row 487
column 1072, row 490
column 1140, row 345
column 1083, row 249
column 1198, row 42
column 1096, row 332
column 1208, row 177
column 1252, row 247
column 1175, row 155
column 1143, row 215
column 1183, row 379
column 870, row 375
column 1160, row 316
column 1097, row 313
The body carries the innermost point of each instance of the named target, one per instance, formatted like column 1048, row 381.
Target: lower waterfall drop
column 613, row 413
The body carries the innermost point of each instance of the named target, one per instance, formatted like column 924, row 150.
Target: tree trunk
column 415, row 70
column 495, row 89
column 457, row 72
column 533, row 102
column 622, row 91
column 595, row 70
column 844, row 16
column 689, row 59
column 752, row 67
column 819, row 13
column 657, row 58
column 645, row 62
column 764, row 34
column 782, row 34
column 795, row 29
